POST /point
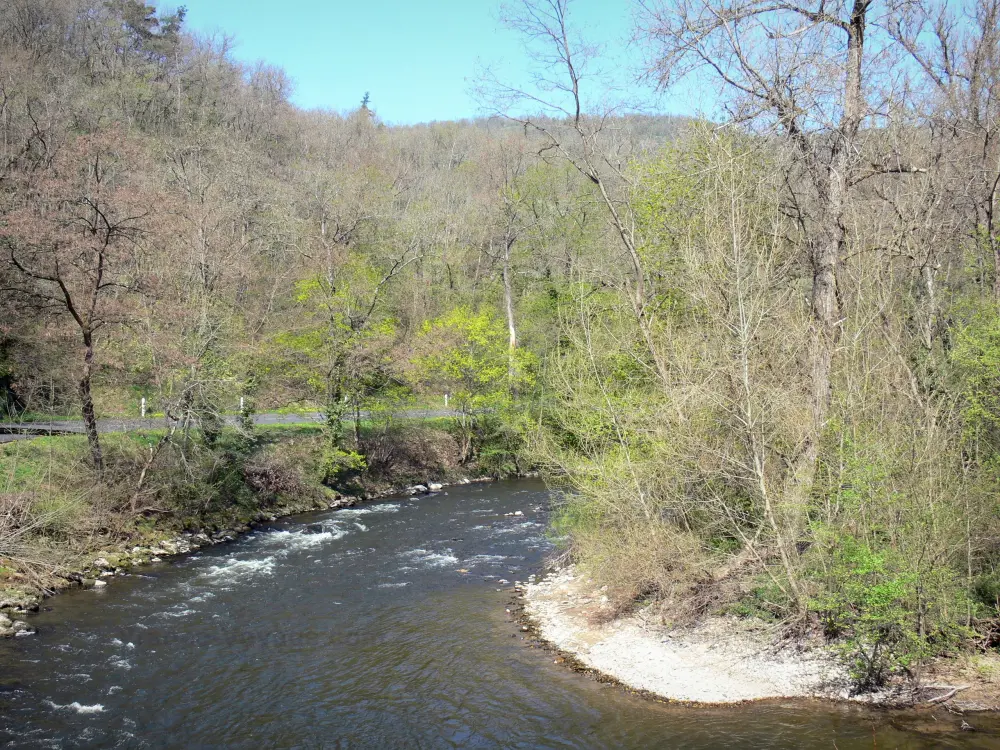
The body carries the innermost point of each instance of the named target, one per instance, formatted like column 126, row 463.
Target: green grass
column 27, row 464
column 423, row 403
column 34, row 416
column 285, row 430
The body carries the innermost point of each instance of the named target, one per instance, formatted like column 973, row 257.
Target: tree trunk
column 87, row 400
column 508, row 299
column 334, row 414
column 827, row 250
column 995, row 244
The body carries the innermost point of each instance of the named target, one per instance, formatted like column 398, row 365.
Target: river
column 382, row 626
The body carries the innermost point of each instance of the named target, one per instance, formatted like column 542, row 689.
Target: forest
column 756, row 355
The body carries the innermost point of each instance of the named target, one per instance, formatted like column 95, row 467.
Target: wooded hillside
column 761, row 355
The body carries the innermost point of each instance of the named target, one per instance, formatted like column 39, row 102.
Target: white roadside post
column 446, row 401
column 142, row 407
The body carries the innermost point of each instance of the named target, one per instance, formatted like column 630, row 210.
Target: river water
column 382, row 626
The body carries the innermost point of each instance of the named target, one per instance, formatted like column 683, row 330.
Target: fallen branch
column 153, row 453
column 945, row 696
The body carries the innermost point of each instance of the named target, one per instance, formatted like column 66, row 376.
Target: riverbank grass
column 57, row 514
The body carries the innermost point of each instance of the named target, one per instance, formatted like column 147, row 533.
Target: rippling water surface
column 373, row 627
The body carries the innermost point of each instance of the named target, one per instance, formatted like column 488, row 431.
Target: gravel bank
column 721, row 660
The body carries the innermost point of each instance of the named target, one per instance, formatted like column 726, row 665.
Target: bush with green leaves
column 340, row 466
column 886, row 615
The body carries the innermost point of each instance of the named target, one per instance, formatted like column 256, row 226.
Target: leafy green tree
column 340, row 343
column 467, row 355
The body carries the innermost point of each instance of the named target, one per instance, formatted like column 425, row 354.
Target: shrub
column 636, row 557
column 887, row 616
column 341, row 466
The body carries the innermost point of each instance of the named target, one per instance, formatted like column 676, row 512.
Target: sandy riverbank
column 720, row 660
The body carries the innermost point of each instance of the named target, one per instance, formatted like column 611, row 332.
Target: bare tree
column 797, row 69
column 72, row 241
column 956, row 50
column 593, row 142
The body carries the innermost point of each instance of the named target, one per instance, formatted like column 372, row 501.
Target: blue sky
column 417, row 58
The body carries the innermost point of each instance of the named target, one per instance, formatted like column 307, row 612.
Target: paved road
column 10, row 431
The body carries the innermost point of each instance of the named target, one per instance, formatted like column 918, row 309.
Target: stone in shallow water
column 10, row 629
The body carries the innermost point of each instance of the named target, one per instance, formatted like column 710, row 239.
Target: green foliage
column 340, row 467
column 466, row 355
column 977, row 358
column 765, row 601
column 986, row 591
column 498, row 445
column 887, row 617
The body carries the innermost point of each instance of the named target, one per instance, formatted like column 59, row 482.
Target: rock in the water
column 435, row 487
column 100, row 584
column 20, row 603
column 518, row 513
column 5, row 621
column 417, row 489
